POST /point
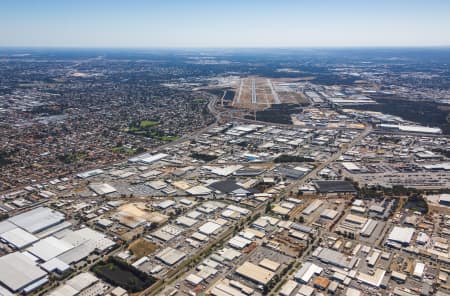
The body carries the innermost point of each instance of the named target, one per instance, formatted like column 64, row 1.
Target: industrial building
column 255, row 273
column 400, row 236
column 335, row 187
column 333, row 257
column 19, row 273
column 37, row 220
column 170, row 256
column 307, row 271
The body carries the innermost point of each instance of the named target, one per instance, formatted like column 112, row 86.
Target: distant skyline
column 224, row 24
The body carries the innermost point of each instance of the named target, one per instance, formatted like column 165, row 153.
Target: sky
column 224, row 23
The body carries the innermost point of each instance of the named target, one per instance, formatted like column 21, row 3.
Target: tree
column 268, row 207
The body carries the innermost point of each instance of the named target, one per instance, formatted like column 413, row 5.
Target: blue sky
column 224, row 23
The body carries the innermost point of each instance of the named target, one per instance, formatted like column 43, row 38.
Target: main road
column 313, row 173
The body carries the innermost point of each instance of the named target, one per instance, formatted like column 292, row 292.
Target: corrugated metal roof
column 37, row 219
column 18, row 271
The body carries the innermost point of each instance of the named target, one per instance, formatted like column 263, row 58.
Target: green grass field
column 123, row 150
column 148, row 123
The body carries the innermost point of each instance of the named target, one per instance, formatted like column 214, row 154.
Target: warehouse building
column 102, row 188
column 338, row 259
column 81, row 284
column 210, row 228
column 85, row 241
column 400, row 236
column 369, row 228
column 312, row 207
column 49, row 247
column 18, row 238
column 19, row 273
column 307, row 271
column 255, row 273
column 374, row 280
column 288, row 288
column 37, row 220
column 334, row 187
column 170, row 256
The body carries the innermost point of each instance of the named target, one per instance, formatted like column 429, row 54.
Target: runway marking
column 253, row 91
column 238, row 99
column 276, row 99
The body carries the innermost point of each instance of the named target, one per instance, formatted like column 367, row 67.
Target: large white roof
column 55, row 264
column 6, row 226
column 18, row 271
column 75, row 285
column 102, row 188
column 154, row 158
column 85, row 241
column 209, row 228
column 82, row 281
column 170, row 256
column 37, row 219
column 49, row 248
column 255, row 273
column 307, row 271
column 225, row 171
column 18, row 237
column 401, row 235
column 198, row 190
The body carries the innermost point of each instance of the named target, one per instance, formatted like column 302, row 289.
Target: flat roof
column 372, row 280
column 37, row 219
column 255, row 273
column 194, row 279
column 401, row 235
column 288, row 288
column 18, row 271
column 239, row 242
column 91, row 173
column 336, row 258
column 419, row 268
column 209, row 228
column 334, row 186
column 226, row 186
column 186, row 221
column 165, row 204
column 356, row 219
column 102, row 188
column 198, row 190
column 170, row 256
column 6, row 226
column 200, row 237
column 312, row 207
column 49, row 248
column 55, row 264
column 269, row 264
column 82, row 281
column 329, row 214
column 223, row 171
column 307, row 271
column 223, row 288
column 18, row 237
column 85, row 241
column 351, row 166
column 157, row 184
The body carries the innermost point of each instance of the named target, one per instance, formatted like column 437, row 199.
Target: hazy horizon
column 231, row 24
